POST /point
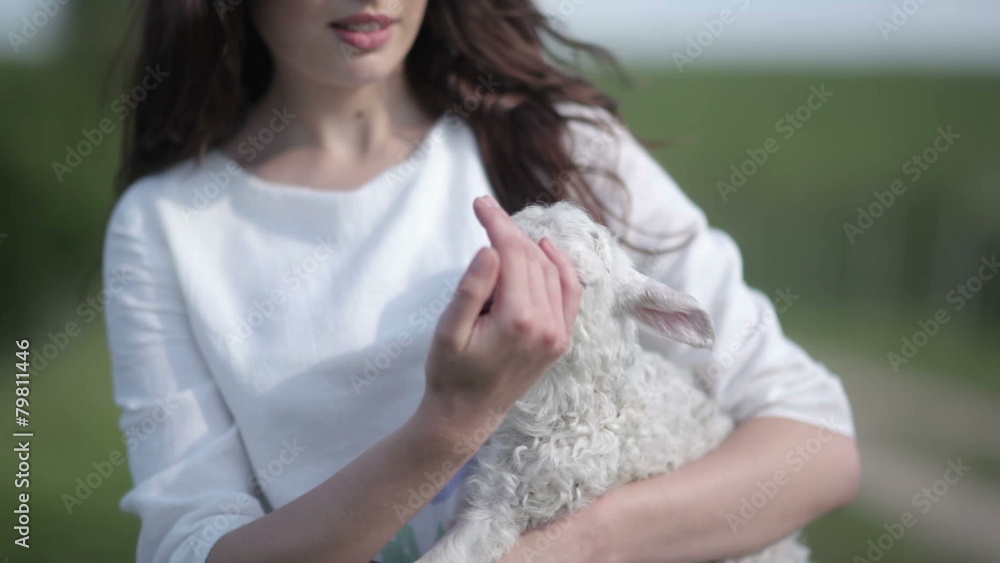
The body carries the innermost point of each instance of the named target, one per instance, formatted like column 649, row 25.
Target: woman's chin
column 361, row 69
column 341, row 76
column 361, row 74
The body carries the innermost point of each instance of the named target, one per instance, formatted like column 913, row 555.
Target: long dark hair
column 224, row 67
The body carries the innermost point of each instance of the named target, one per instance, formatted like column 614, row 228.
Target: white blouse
column 266, row 335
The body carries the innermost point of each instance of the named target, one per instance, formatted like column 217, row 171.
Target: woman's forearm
column 771, row 477
column 353, row 514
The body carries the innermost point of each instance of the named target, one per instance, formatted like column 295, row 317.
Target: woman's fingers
column 508, row 240
column 538, row 298
column 569, row 282
column 474, row 289
column 534, row 278
column 500, row 228
column 554, row 305
column 493, row 360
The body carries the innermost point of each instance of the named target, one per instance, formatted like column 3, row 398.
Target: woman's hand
column 485, row 356
column 479, row 364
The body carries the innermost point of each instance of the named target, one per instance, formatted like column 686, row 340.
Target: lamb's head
column 615, row 293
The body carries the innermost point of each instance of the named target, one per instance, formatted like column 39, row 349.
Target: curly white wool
column 607, row 413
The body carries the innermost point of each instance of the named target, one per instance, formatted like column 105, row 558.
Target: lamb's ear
column 671, row 313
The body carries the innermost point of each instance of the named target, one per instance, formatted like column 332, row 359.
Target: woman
column 304, row 353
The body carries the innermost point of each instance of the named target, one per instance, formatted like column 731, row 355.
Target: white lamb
column 607, row 413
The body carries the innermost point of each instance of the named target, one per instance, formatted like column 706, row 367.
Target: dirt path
column 909, row 428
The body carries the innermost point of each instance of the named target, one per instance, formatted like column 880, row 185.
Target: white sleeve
column 754, row 370
column 192, row 478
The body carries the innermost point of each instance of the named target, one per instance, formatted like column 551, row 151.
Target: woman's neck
column 340, row 119
column 330, row 136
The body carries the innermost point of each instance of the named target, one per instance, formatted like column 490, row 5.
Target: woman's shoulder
column 183, row 187
column 638, row 187
column 577, row 111
column 592, row 127
column 600, row 140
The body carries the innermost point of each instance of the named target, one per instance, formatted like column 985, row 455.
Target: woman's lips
column 364, row 31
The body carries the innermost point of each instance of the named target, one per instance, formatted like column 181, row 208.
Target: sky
column 938, row 35
column 960, row 35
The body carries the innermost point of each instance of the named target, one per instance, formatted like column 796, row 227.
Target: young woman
column 327, row 309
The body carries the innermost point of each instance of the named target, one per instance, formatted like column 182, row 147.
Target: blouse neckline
column 421, row 153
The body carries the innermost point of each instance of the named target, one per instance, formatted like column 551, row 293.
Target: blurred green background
column 858, row 299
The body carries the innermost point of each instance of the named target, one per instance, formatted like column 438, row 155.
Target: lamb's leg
column 481, row 536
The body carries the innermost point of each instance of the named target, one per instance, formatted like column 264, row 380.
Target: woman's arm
column 354, row 513
column 779, row 396
column 479, row 364
column 193, row 483
column 194, row 487
column 192, row 476
column 771, row 477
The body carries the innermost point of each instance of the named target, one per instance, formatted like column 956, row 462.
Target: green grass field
column 788, row 218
